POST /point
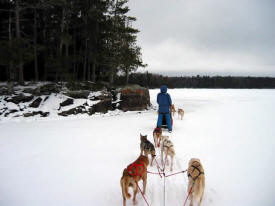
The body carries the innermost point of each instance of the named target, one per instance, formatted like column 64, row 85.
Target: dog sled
column 164, row 122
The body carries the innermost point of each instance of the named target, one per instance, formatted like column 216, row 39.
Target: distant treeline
column 155, row 81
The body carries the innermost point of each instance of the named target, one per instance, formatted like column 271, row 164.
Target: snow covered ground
column 79, row 160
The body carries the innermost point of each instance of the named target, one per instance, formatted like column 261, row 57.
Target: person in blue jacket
column 164, row 101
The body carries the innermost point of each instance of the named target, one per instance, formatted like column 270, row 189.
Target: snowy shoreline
column 81, row 99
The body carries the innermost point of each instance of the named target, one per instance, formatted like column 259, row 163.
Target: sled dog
column 132, row 175
column 180, row 113
column 157, row 135
column 196, row 181
column 167, row 148
column 173, row 110
column 146, row 147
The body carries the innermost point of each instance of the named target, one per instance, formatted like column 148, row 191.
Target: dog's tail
column 198, row 191
column 124, row 185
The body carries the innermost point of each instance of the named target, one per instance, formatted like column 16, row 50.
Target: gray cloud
column 207, row 36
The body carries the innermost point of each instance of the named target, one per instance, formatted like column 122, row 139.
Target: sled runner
column 164, row 123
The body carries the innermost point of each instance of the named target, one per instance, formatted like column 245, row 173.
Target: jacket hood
column 163, row 89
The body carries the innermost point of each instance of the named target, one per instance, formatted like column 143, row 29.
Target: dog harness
column 136, row 165
column 157, row 129
column 167, row 143
column 195, row 168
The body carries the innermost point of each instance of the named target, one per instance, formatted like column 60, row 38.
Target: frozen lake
column 79, row 161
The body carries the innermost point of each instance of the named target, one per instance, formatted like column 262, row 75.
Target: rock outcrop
column 36, row 102
column 21, row 98
column 67, row 102
column 82, row 94
column 134, row 98
column 29, row 101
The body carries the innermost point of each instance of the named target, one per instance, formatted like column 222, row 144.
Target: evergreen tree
column 67, row 40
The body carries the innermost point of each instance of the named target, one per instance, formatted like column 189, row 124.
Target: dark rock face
column 3, row 110
column 91, row 111
column 19, row 98
column 134, row 98
column 47, row 89
column 31, row 91
column 78, row 94
column 76, row 110
column 103, row 106
column 6, row 91
column 42, row 114
column 46, row 98
column 10, row 112
column 36, row 102
column 67, row 102
column 76, row 86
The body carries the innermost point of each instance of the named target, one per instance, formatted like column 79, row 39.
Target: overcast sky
column 206, row 37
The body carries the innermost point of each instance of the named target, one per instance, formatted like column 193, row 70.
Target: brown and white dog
column 196, row 181
column 173, row 110
column 167, row 148
column 180, row 113
column 132, row 175
column 146, row 147
column 157, row 136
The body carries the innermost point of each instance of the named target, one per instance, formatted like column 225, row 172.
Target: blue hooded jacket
column 164, row 100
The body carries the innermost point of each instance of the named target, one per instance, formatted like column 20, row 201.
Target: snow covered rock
column 12, row 106
column 67, row 102
column 31, row 91
column 42, row 114
column 5, row 91
column 47, row 89
column 36, row 102
column 63, row 99
column 19, row 98
column 82, row 94
column 77, row 110
column 91, row 86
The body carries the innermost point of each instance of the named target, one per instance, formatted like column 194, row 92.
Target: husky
column 180, row 113
column 132, row 175
column 167, row 148
column 157, row 135
column 173, row 110
column 146, row 147
column 196, row 181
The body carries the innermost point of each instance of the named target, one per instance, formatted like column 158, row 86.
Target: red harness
column 157, row 129
column 136, row 165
